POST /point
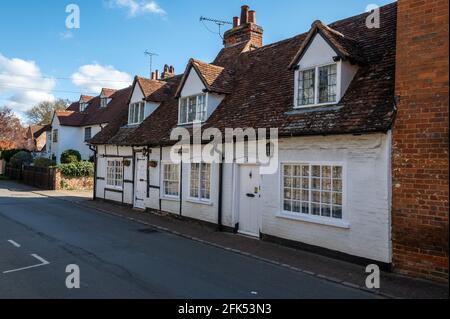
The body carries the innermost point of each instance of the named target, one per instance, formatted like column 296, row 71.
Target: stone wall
column 78, row 183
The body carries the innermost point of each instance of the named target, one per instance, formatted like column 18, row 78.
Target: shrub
column 21, row 158
column 70, row 156
column 43, row 162
column 77, row 169
column 8, row 154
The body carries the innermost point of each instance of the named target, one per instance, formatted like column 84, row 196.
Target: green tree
column 42, row 113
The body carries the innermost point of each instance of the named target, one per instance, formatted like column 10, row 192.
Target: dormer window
column 317, row 86
column 192, row 109
column 136, row 113
column 83, row 106
column 103, row 102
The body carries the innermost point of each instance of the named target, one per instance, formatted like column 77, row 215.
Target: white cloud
column 93, row 77
column 138, row 7
column 22, row 84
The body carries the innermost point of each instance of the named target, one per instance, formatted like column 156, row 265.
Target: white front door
column 249, row 200
column 140, row 181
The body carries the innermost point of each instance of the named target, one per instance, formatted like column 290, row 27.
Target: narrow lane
column 122, row 259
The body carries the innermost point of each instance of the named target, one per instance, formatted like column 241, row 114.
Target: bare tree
column 42, row 113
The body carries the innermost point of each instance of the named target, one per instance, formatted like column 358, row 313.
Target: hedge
column 77, row 169
column 43, row 162
column 70, row 156
column 21, row 158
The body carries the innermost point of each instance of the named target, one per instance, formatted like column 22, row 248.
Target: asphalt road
column 122, row 259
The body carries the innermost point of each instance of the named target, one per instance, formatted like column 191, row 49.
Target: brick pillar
column 420, row 141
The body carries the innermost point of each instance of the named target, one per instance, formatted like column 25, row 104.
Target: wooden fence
column 40, row 177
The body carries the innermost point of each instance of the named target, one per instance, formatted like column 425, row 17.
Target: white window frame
column 316, row 85
column 180, row 102
column 132, row 110
column 85, row 130
column 199, row 198
column 118, row 183
column 83, row 106
column 328, row 221
column 103, row 102
column 163, row 180
column 55, row 136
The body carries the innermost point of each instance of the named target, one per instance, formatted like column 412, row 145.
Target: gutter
column 95, row 150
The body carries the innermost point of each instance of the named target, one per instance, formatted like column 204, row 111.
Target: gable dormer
column 202, row 89
column 324, row 67
column 105, row 97
column 141, row 103
column 84, row 102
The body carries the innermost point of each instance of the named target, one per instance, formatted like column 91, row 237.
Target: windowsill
column 314, row 220
column 114, row 189
column 170, row 198
column 192, row 123
column 200, row 202
column 314, row 105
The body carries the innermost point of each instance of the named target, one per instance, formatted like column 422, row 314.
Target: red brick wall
column 420, row 141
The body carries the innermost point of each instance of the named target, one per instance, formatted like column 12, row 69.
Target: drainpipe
column 181, row 183
column 95, row 150
column 160, row 172
column 219, row 210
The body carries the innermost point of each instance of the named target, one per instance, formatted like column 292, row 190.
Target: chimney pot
column 153, row 75
column 252, row 16
column 172, row 69
column 244, row 14
column 236, row 22
column 157, row 75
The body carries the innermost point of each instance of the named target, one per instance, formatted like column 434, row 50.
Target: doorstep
column 345, row 273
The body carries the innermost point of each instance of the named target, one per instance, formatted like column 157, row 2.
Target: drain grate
column 147, row 231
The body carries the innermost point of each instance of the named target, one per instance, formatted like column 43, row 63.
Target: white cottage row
column 333, row 105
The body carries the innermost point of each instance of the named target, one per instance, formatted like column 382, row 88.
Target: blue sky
column 41, row 59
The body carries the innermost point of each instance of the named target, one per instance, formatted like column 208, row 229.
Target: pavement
column 123, row 253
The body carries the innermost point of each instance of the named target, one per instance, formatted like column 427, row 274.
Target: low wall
column 77, row 183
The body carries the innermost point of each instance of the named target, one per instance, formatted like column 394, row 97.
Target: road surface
column 118, row 258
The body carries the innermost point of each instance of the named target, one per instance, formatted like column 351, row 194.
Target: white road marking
column 12, row 242
column 42, row 260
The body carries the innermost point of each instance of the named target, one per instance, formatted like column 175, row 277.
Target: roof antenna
column 219, row 24
column 150, row 55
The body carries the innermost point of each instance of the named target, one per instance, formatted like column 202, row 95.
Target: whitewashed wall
column 366, row 161
column 367, row 190
column 103, row 191
column 71, row 138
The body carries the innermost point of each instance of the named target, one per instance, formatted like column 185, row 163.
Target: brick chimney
column 244, row 29
column 169, row 71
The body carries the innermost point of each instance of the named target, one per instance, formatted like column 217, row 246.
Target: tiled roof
column 86, row 98
column 38, row 130
column 108, row 92
column 262, row 93
column 215, row 78
column 94, row 114
column 346, row 47
column 149, row 86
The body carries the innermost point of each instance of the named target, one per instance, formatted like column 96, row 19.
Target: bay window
column 315, row 190
column 114, row 173
column 171, row 180
column 200, row 181
column 136, row 113
column 317, row 85
column 192, row 109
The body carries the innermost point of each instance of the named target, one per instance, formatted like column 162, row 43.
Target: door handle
column 251, row 195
